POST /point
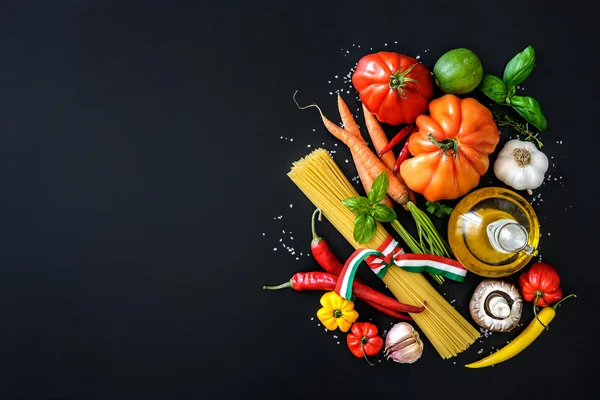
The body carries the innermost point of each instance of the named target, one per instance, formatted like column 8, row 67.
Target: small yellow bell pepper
column 337, row 312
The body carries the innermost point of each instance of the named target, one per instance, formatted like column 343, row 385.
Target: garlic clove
column 408, row 354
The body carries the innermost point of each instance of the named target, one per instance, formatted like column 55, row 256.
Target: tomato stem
column 398, row 80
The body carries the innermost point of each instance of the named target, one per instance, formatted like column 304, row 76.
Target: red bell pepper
column 363, row 340
column 540, row 283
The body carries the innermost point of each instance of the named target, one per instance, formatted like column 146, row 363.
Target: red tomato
column 394, row 87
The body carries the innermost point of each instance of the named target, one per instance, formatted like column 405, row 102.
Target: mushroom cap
column 496, row 305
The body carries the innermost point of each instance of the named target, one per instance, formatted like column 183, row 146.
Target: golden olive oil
column 468, row 237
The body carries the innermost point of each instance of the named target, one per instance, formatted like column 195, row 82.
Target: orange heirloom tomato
column 450, row 147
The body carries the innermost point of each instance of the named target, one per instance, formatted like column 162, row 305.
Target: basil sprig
column 368, row 210
column 503, row 91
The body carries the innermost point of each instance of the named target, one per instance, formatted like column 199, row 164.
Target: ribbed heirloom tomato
column 394, row 87
column 450, row 148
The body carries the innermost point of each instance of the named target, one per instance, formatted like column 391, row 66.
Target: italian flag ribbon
column 390, row 253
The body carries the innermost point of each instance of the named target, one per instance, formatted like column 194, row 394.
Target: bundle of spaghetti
column 321, row 180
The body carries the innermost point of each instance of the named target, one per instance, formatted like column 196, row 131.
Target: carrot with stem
column 378, row 137
column 396, row 190
column 380, row 141
column 351, row 126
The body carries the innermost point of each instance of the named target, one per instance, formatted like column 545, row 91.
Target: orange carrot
column 380, row 141
column 351, row 126
column 396, row 190
column 378, row 137
column 347, row 119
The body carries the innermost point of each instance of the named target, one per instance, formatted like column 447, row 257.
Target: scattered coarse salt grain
column 417, row 57
column 274, row 248
column 308, row 145
column 264, row 234
column 480, row 351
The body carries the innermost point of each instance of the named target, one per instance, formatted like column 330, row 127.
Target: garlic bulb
column 403, row 344
column 521, row 165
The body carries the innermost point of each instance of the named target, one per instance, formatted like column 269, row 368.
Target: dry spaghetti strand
column 325, row 185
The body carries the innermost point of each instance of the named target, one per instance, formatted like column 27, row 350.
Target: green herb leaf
column 438, row 209
column 531, row 110
column 493, row 87
column 519, row 67
column 379, row 188
column 364, row 228
column 511, row 92
column 383, row 213
column 358, row 205
column 521, row 128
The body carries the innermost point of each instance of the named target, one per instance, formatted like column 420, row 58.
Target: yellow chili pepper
column 533, row 330
column 336, row 312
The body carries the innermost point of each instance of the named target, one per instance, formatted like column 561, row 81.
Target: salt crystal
column 308, row 145
column 417, row 57
column 291, row 139
column 291, row 238
column 329, row 82
column 336, row 77
column 263, row 234
column 291, row 205
column 311, row 318
column 274, row 248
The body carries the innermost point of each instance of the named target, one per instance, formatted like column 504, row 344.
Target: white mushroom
column 496, row 305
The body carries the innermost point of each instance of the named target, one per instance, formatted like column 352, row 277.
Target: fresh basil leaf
column 531, row 110
column 383, row 213
column 379, row 188
column 358, row 205
column 519, row 67
column 511, row 91
column 364, row 228
column 493, row 87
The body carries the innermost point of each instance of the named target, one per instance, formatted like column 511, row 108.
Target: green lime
column 458, row 71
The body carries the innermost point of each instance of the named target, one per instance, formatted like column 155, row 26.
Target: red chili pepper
column 322, row 252
column 364, row 341
column 389, row 312
column 404, row 132
column 324, row 281
column 403, row 155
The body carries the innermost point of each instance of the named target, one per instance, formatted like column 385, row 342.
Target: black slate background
column 141, row 163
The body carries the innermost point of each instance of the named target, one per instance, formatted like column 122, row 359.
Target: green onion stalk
column 430, row 241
